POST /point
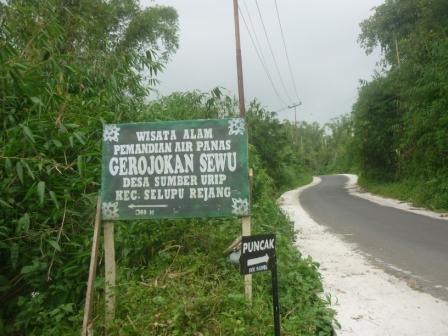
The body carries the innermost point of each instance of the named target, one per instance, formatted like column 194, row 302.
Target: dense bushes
column 400, row 119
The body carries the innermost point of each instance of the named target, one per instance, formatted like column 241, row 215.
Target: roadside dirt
column 368, row 301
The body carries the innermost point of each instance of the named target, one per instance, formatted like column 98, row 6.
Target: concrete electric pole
column 239, row 63
column 246, row 220
column 294, row 106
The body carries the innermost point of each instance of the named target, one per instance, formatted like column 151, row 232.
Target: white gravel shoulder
column 355, row 190
column 368, row 301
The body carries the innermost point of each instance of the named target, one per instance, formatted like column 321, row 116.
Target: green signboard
column 175, row 169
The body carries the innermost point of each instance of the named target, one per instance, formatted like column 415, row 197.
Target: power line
column 261, row 58
column 259, row 51
column 254, row 32
column 272, row 52
column 286, row 52
column 282, row 109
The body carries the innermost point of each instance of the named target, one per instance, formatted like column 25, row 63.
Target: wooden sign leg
column 86, row 323
column 246, row 231
column 109, row 262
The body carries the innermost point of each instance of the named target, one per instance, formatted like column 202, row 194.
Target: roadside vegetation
column 396, row 137
column 66, row 69
column 401, row 124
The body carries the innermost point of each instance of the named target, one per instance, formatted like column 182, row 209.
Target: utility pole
column 239, row 63
column 246, row 220
column 294, row 106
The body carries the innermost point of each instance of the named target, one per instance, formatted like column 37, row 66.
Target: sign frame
column 175, row 169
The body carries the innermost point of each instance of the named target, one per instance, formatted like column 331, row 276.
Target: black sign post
column 275, row 300
column 258, row 255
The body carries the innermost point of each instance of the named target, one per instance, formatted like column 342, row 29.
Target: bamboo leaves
column 41, row 192
column 28, row 134
column 19, row 170
column 23, row 224
column 64, row 71
column 37, row 101
column 54, row 244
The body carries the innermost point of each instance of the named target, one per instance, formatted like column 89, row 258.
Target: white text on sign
column 260, row 245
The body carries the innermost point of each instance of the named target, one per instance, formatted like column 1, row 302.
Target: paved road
column 411, row 246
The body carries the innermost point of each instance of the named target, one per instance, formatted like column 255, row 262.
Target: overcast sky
column 321, row 42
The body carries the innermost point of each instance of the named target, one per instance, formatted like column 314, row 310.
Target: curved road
column 411, row 246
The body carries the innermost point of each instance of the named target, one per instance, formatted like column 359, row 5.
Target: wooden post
column 246, row 231
column 246, row 223
column 109, row 263
column 86, row 323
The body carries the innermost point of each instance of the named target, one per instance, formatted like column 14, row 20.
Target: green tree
column 65, row 68
column 340, row 156
column 192, row 105
column 405, row 30
column 405, row 106
column 312, row 144
column 275, row 146
column 376, row 123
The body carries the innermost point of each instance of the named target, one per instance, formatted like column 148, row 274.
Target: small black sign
column 256, row 253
